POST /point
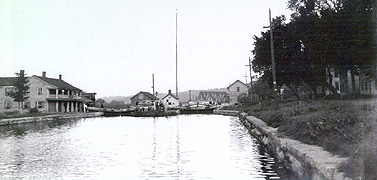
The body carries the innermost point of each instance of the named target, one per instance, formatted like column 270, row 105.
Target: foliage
column 321, row 34
column 20, row 90
column 261, row 88
column 34, row 110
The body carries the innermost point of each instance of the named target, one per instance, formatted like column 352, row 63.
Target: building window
column 238, row 89
column 7, row 90
column 7, row 104
column 40, row 91
column 39, row 104
column 337, row 85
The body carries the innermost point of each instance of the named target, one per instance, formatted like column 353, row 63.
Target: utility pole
column 273, row 62
column 251, row 78
column 176, row 53
column 245, row 78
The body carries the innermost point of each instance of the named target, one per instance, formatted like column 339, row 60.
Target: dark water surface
column 179, row 147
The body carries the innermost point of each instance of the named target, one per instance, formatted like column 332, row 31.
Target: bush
column 34, row 110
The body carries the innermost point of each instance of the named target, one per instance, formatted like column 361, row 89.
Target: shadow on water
column 25, row 128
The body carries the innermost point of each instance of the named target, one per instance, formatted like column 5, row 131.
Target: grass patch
column 344, row 127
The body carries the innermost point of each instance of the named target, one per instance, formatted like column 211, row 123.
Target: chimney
column 22, row 73
column 43, row 73
column 169, row 91
column 60, row 76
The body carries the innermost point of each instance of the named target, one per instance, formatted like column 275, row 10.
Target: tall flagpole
column 176, row 53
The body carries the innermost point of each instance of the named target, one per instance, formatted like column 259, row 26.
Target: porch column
column 57, row 106
column 76, row 106
column 71, row 107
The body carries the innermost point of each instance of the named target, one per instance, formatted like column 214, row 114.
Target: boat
column 117, row 112
column 95, row 109
column 153, row 113
column 205, row 110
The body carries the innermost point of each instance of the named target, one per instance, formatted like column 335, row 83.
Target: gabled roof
column 7, row 81
column 236, row 82
column 60, row 84
column 170, row 95
column 147, row 94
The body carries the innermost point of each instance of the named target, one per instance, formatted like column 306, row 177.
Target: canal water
column 178, row 147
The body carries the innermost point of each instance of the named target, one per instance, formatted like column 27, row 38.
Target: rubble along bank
column 307, row 161
column 11, row 121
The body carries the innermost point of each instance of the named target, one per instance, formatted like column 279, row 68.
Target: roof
column 236, row 82
column 58, row 83
column 147, row 94
column 217, row 92
column 170, row 95
column 7, row 81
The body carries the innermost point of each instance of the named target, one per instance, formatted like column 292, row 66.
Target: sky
column 112, row 47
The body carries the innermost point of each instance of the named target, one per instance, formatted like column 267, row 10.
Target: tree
column 322, row 34
column 20, row 89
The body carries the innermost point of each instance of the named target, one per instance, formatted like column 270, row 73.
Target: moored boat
column 205, row 110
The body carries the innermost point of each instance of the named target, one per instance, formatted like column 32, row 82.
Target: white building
column 45, row 94
column 170, row 101
column 235, row 90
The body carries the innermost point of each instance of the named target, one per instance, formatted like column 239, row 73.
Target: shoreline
column 10, row 121
column 307, row 161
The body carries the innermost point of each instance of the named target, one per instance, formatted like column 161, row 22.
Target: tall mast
column 153, row 86
column 176, row 52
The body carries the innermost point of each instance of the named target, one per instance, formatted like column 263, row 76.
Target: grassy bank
column 344, row 127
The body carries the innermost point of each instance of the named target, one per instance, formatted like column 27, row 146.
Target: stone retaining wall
column 48, row 118
column 307, row 161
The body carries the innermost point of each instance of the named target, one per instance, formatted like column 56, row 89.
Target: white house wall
column 174, row 102
column 36, row 83
column 234, row 93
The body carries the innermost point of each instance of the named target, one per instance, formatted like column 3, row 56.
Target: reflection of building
column 170, row 101
column 45, row 94
column 214, row 96
column 235, row 90
column 141, row 96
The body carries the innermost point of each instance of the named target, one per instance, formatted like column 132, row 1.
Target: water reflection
column 180, row 147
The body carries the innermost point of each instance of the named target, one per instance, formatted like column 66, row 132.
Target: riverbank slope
column 346, row 128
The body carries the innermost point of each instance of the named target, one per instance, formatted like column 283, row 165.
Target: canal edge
column 306, row 161
column 22, row 120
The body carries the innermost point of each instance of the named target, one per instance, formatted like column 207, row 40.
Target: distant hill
column 183, row 96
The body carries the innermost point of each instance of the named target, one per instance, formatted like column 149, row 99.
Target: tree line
column 320, row 35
